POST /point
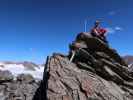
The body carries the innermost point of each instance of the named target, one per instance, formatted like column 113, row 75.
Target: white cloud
column 112, row 30
column 118, row 28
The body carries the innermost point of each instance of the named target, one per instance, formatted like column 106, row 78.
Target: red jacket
column 99, row 31
column 102, row 31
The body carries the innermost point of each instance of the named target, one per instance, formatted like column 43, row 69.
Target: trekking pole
column 85, row 25
column 72, row 57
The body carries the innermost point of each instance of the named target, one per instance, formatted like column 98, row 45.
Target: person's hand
column 106, row 34
column 96, row 32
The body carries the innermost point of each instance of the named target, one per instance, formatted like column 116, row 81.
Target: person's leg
column 105, row 40
column 93, row 34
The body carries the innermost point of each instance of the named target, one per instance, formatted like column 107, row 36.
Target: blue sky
column 32, row 29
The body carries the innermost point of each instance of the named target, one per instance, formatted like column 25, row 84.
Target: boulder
column 5, row 76
column 25, row 78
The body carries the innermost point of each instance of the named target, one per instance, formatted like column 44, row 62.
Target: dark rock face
column 23, row 88
column 96, row 72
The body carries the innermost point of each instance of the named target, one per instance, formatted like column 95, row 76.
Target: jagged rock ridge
column 97, row 72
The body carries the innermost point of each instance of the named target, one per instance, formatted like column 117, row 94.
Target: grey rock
column 17, row 91
column 5, row 76
column 97, row 72
column 21, row 89
column 78, row 83
column 25, row 78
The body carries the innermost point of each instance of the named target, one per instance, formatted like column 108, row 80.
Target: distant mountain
column 128, row 59
column 25, row 67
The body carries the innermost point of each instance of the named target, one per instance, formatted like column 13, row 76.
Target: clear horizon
column 33, row 29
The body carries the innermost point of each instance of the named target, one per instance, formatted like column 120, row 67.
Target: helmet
column 97, row 22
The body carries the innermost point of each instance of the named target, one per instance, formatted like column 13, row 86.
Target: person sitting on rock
column 99, row 32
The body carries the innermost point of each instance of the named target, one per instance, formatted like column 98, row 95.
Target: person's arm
column 95, row 31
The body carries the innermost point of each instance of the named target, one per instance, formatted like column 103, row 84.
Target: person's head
column 97, row 23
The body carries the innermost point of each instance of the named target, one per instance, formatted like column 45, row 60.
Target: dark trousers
column 103, row 38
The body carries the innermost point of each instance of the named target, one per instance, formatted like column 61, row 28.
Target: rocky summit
column 91, row 71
